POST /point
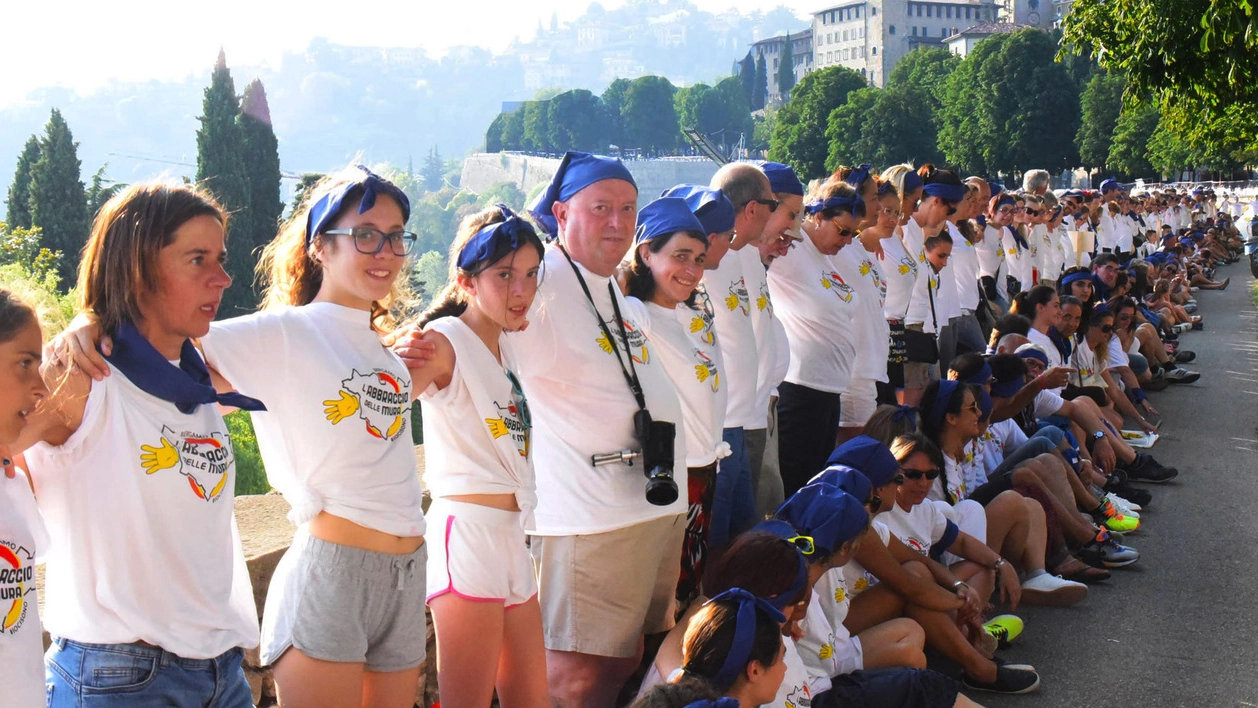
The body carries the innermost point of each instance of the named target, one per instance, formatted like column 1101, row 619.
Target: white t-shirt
column 947, row 299
column 871, row 335
column 1047, row 403
column 336, row 434
column 1044, row 251
column 919, row 304
column 827, row 648
column 816, row 306
column 22, row 541
column 1020, row 260
column 1106, row 232
column 964, row 262
column 1045, row 343
column 476, row 429
column 961, row 475
column 991, row 255
column 770, row 358
column 1117, row 353
column 143, row 544
column 854, row 580
column 1089, row 370
column 921, row 527
column 732, row 306
column 693, row 363
column 1127, row 229
column 900, row 271
column 798, row 686
column 582, row 406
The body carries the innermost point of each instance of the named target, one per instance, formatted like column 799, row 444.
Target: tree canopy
column 58, row 200
column 799, row 132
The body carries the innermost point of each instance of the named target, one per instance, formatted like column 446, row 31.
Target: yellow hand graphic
column 762, row 302
column 825, row 283
column 338, row 409
column 696, row 324
column 497, row 427
column 731, row 302
column 826, row 652
column 701, row 372
column 604, row 343
column 156, row 459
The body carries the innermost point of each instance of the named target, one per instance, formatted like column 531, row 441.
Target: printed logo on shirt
column 907, row 266
column 510, row 422
column 17, row 585
column 701, row 323
column 915, row 545
column 826, row 652
column 867, row 269
column 839, row 595
column 738, row 299
column 801, row 697
column 203, row 458
column 862, row 583
column 380, row 399
column 834, row 283
column 636, row 346
column 763, row 302
column 706, row 369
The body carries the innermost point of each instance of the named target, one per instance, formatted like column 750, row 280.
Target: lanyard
column 631, row 374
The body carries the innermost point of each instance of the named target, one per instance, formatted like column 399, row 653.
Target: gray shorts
column 344, row 604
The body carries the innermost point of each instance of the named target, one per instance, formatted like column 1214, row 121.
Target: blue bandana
column 912, row 182
column 1033, row 351
column 782, row 179
column 946, row 389
column 187, row 385
column 744, row 635
column 858, row 175
column 372, row 185
column 1075, row 277
column 513, row 229
column 664, row 216
column 576, row 171
column 786, row 532
column 947, row 192
column 996, row 187
column 982, row 377
column 868, row 455
column 710, row 206
column 831, row 516
column 908, row 413
column 985, row 405
column 1010, row 388
column 1110, row 185
column 853, row 204
column 852, row 481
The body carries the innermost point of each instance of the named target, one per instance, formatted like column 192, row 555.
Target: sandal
column 1080, row 572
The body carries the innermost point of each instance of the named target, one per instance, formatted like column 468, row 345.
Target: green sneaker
column 1114, row 520
column 1005, row 628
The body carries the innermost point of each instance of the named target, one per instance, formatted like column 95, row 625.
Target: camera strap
column 631, row 374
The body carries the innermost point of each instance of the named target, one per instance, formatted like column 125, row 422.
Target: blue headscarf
column 912, row 182
column 577, row 170
column 858, row 175
column 512, row 229
column 852, row 481
column 853, row 204
column 372, row 185
column 710, row 206
column 782, row 178
column 868, row 455
column 947, row 192
column 744, row 635
column 829, row 515
column 664, row 216
column 942, row 396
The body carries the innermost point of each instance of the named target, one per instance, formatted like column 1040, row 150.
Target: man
column 607, row 559
column 1035, row 182
column 1104, row 276
column 732, row 297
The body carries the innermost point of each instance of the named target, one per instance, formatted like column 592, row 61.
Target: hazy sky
column 95, row 41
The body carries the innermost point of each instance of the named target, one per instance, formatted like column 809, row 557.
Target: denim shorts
column 141, row 675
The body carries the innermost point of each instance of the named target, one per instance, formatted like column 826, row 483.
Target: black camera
column 656, row 438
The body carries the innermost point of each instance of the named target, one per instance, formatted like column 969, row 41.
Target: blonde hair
column 290, row 275
column 895, row 175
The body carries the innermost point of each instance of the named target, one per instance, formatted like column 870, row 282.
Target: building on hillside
column 1061, row 8
column 1030, row 13
column 771, row 50
column 963, row 42
column 871, row 36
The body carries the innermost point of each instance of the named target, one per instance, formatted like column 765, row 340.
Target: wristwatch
column 1098, row 435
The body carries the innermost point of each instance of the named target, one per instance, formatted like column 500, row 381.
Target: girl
column 481, row 585
column 23, row 538
column 668, row 263
column 335, row 443
column 141, row 463
column 735, row 643
column 899, row 268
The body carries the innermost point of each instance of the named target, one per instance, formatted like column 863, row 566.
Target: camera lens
column 661, row 489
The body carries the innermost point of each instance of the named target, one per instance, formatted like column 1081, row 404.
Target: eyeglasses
column 889, row 211
column 952, row 206
column 844, row 233
column 1105, row 328
column 370, row 241
column 973, row 408
column 771, row 203
column 1005, row 210
column 805, row 544
column 909, row 473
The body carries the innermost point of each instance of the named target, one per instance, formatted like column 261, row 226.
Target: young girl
column 335, row 442
column 481, row 586
column 23, row 538
column 735, row 643
column 148, row 598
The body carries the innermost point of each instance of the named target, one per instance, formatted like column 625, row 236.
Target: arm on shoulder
column 61, row 413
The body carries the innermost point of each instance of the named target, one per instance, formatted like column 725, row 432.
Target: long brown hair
column 120, row 258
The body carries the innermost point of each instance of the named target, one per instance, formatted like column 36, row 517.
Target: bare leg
column 469, row 646
column 898, row 642
column 392, row 689
column 586, row 680
column 521, row 676
column 301, row 680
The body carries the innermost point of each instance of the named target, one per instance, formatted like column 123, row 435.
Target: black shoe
column 1146, row 469
column 1135, row 495
column 1185, row 356
column 1008, row 680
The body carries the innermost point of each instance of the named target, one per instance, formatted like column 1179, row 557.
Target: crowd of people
column 757, row 441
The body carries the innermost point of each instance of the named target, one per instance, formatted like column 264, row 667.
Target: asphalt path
column 1179, row 628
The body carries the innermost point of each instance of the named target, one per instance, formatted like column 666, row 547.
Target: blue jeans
column 734, row 504
column 80, row 675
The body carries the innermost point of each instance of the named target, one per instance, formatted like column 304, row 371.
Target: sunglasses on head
column 909, row 473
column 805, row 544
column 771, row 203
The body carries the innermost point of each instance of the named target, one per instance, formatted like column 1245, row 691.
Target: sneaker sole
column 1119, row 564
column 989, row 689
column 1061, row 597
column 1146, row 480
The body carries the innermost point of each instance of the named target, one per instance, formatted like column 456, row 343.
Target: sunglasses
column 845, row 233
column 952, row 207
column 973, row 408
column 1105, row 328
column 1032, row 212
column 909, row 473
column 771, row 203
column 805, row 544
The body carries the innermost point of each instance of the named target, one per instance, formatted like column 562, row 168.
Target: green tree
column 24, row 247
column 19, row 211
column 536, row 130
column 58, row 200
column 894, row 132
column 493, row 134
column 513, row 130
column 760, row 89
column 927, row 69
column 433, row 170
column 503, row 193
column 1169, row 153
column 845, row 125
column 613, row 99
column 649, row 115
column 700, row 107
column 577, row 120
column 747, row 77
column 799, row 133
column 1100, row 104
column 101, row 190
column 1129, row 153
column 786, row 69
column 260, row 161
column 738, row 122
column 304, row 184
column 1009, row 107
column 221, row 170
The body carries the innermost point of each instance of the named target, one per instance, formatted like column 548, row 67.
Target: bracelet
column 958, row 585
column 1000, row 562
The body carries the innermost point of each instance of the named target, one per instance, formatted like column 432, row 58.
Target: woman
column 815, row 305
column 668, row 262
column 1091, row 363
column 335, row 443
column 1042, row 306
column 140, row 462
column 992, row 266
column 746, row 663
column 481, row 587
column 23, row 536
column 1019, row 252
column 899, row 268
column 859, row 265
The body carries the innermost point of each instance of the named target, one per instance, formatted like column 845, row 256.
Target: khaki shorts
column 601, row 592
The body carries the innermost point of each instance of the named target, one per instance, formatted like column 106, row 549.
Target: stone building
column 772, row 48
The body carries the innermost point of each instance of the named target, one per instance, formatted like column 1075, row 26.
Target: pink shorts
column 478, row 553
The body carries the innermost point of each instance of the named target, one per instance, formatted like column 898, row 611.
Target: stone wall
column 483, row 170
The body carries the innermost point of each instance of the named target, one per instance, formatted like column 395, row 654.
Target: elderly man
column 1035, row 182
column 607, row 558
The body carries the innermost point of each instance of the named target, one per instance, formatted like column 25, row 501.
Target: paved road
column 1180, row 628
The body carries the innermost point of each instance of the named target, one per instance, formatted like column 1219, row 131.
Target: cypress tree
column 58, row 200
column 221, row 171
column 19, row 212
column 786, row 70
column 760, row 93
column 747, row 76
column 261, row 160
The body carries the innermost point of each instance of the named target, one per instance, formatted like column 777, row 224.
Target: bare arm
column 885, row 565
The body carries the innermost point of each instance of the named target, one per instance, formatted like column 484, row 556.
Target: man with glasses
column 1104, row 276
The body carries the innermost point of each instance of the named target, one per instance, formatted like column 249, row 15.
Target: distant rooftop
column 987, row 29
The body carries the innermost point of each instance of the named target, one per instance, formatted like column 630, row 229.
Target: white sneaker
column 1053, row 591
column 1123, row 506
